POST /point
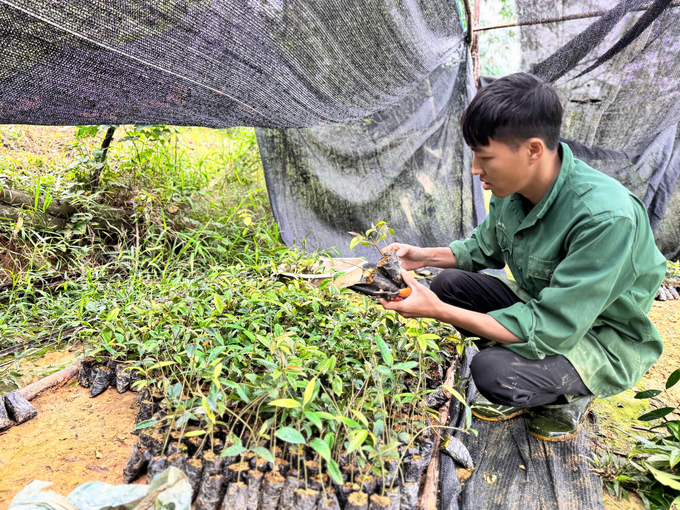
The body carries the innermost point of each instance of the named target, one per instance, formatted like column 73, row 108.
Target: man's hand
column 411, row 257
column 422, row 303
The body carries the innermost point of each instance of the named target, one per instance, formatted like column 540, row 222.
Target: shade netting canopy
column 358, row 100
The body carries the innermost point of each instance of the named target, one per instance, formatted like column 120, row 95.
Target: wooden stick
column 468, row 17
column 545, row 21
column 428, row 501
column 474, row 44
column 51, row 381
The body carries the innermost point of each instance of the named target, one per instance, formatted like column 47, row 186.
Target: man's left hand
column 422, row 303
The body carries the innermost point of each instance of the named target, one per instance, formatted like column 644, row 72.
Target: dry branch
column 560, row 19
column 15, row 204
column 428, row 501
column 56, row 208
column 51, row 381
column 39, row 221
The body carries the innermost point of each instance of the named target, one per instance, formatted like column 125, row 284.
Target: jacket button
column 519, row 269
column 519, row 237
column 503, row 245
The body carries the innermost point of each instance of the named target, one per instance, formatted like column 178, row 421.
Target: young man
column 572, row 325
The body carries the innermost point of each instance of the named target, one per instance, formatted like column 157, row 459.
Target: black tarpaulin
column 514, row 470
column 402, row 165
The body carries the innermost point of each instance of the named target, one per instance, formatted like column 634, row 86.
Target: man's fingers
column 408, row 279
column 391, row 247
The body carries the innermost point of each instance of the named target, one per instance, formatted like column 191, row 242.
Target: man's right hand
column 411, row 257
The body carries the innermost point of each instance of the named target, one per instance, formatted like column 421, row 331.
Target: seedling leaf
column 290, row 435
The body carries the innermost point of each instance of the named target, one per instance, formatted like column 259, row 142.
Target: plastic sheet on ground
column 514, row 470
column 169, row 488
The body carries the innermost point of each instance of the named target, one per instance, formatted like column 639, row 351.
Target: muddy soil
column 75, row 439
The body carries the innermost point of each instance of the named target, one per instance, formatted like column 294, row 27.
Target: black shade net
column 380, row 83
column 216, row 63
column 402, row 165
column 618, row 77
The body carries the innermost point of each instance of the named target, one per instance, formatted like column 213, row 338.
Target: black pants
column 500, row 375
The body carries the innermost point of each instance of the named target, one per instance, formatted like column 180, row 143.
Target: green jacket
column 586, row 266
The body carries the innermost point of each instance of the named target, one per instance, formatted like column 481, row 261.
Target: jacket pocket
column 540, row 272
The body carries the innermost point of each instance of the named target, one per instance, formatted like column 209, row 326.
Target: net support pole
column 474, row 44
column 101, row 160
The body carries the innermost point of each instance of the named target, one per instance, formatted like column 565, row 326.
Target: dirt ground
column 77, row 439
column 666, row 318
column 73, row 440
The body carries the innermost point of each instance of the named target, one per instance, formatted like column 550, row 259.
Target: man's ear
column 536, row 148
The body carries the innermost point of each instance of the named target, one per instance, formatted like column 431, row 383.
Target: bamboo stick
column 559, row 19
column 428, row 501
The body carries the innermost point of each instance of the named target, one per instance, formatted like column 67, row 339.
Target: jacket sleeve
column 598, row 268
column 481, row 249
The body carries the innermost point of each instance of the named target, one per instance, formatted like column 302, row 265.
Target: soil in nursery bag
column 73, row 440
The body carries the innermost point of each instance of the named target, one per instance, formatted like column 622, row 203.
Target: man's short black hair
column 511, row 110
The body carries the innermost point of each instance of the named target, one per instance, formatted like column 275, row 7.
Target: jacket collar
column 541, row 209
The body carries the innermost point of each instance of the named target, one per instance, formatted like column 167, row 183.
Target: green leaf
column 290, row 435
column 232, row 451
column 348, row 421
column 320, row 446
column 325, row 415
column 648, row 394
column 260, row 451
column 673, row 379
column 656, row 414
column 330, row 439
column 240, row 389
column 378, row 427
column 334, row 471
column 285, row 402
column 422, row 343
column 672, row 481
column 337, row 385
column 309, row 392
column 354, row 242
column 217, row 371
column 408, row 365
column 145, row 424
column 356, row 439
column 674, row 428
column 194, row 433
column 219, row 304
column 674, row 458
column 675, row 505
column 360, row 416
column 384, row 351
column 315, row 419
column 113, row 314
column 206, row 408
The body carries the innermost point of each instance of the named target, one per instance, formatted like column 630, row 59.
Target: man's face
column 502, row 169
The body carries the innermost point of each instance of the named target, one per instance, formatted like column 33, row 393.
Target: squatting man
column 572, row 325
